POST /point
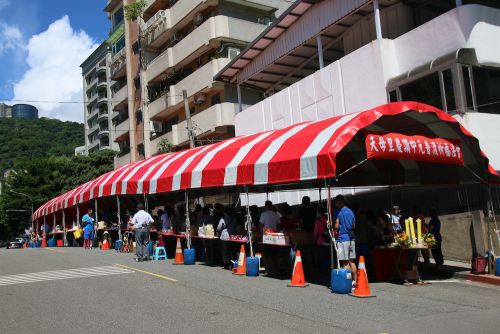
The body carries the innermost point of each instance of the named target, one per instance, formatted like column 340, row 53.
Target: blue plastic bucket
column 51, row 243
column 341, row 281
column 150, row 247
column 497, row 266
column 30, row 245
column 189, row 256
column 252, row 266
column 38, row 244
column 118, row 245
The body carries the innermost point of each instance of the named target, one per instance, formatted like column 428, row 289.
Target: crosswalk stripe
column 62, row 274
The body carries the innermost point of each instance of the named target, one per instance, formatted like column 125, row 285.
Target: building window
column 140, row 150
column 138, row 117
column 118, row 17
column 426, row 90
column 120, row 44
column 136, row 47
column 448, row 91
column 466, row 76
column 487, row 89
column 215, row 99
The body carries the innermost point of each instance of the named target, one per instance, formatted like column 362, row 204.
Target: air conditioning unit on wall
column 200, row 98
column 232, row 52
column 198, row 19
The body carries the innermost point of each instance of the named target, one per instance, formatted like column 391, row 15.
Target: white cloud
column 11, row 37
column 54, row 74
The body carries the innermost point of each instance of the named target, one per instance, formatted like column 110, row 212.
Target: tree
column 43, row 179
column 164, row 146
column 134, row 10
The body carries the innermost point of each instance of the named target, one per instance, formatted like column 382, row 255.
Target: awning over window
column 117, row 34
column 335, row 149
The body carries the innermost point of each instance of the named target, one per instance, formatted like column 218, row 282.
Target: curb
column 481, row 278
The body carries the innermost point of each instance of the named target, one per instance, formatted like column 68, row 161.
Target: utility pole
column 188, row 119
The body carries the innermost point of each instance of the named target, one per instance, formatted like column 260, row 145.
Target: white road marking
column 62, row 274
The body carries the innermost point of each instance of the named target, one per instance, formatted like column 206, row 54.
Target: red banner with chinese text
column 419, row 148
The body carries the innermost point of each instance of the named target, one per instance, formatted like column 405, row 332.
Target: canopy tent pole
column 65, row 240
column 329, row 225
column 54, row 223
column 119, row 217
column 77, row 215
column 188, row 222
column 96, row 218
column 248, row 224
column 146, row 202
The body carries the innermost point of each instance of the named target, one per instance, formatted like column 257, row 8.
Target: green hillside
column 22, row 139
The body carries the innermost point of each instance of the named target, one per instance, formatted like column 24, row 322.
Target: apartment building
column 184, row 44
column 97, row 97
column 327, row 58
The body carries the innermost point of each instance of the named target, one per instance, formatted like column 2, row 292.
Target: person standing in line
column 88, row 229
column 269, row 219
column 141, row 222
column 434, row 228
column 166, row 223
column 346, row 246
column 307, row 215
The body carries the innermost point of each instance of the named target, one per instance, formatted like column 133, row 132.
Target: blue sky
column 72, row 29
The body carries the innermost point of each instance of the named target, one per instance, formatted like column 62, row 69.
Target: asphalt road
column 158, row 297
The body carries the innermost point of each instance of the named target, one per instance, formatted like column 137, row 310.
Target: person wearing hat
column 345, row 243
column 141, row 222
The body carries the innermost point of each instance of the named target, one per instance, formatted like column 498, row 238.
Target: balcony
column 93, row 146
column 102, row 84
column 119, row 98
column 103, row 133
column 206, row 122
column 198, row 81
column 102, row 100
column 121, row 130
column 91, row 84
column 103, row 115
column 93, row 129
column 118, row 62
column 158, row 29
column 101, row 69
column 200, row 40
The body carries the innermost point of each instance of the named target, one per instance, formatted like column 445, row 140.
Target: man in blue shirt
column 345, row 244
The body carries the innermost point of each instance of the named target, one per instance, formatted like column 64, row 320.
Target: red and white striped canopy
column 304, row 152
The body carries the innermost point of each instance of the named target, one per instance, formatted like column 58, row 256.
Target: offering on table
column 429, row 240
column 403, row 240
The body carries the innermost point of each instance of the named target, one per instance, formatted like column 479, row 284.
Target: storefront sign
column 419, row 148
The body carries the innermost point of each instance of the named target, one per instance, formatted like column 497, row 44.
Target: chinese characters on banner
column 419, row 148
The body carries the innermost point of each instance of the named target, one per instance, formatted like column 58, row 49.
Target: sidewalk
column 455, row 269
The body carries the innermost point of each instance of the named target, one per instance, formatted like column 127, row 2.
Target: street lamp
column 31, row 200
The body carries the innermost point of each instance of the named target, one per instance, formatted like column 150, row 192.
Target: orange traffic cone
column 179, row 257
column 242, row 263
column 298, row 279
column 362, row 289
column 44, row 241
column 105, row 244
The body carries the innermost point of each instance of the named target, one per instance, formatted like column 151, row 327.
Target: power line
column 77, row 102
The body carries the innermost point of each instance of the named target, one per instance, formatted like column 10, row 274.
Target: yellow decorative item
column 78, row 233
column 412, row 230
column 407, row 227
column 419, row 230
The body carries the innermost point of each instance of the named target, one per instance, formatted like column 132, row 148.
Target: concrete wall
column 458, row 235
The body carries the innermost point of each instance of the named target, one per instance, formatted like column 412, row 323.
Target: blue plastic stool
column 158, row 255
column 51, row 242
column 118, row 245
